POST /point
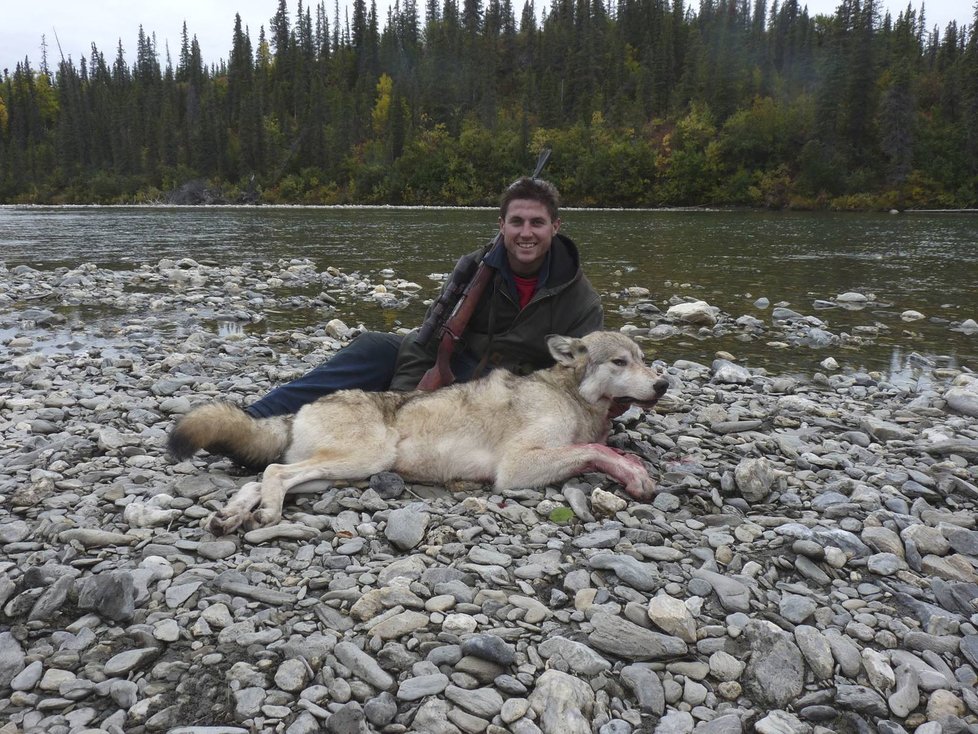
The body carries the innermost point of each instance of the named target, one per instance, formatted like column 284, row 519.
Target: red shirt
column 525, row 288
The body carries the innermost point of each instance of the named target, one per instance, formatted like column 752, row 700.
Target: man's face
column 528, row 232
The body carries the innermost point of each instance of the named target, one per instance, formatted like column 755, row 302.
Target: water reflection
column 231, row 329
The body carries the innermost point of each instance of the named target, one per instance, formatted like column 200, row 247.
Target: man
column 538, row 289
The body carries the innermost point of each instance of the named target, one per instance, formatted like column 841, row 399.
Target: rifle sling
column 456, row 324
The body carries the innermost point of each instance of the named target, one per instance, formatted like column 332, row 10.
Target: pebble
column 810, row 566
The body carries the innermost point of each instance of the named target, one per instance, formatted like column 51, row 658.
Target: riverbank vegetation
column 645, row 103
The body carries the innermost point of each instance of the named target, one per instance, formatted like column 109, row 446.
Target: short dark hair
column 535, row 189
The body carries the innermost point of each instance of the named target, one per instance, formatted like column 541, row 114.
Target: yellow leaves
column 47, row 99
column 382, row 109
column 4, row 118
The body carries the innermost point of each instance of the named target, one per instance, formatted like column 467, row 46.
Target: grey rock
column 861, row 699
column 579, row 658
column 349, row 719
column 111, row 595
column 601, row 538
column 129, row 660
column 845, row 653
column 490, row 647
column 734, row 596
column 482, row 702
column 781, row 722
column 388, row 485
column 906, row 696
column 675, row 722
column 125, row 693
column 416, row 688
column 363, row 666
column 562, row 703
column 406, row 526
column 292, row 675
column 755, row 478
column 14, row 532
column 635, row 573
column 796, row 608
column 51, row 601
column 969, row 648
column 647, row 688
column 627, row 640
column 380, row 710
column 725, row 724
column 816, row 649
column 27, row 678
column 775, row 673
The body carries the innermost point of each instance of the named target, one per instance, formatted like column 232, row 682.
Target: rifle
column 460, row 296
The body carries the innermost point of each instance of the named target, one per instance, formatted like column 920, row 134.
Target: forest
column 645, row 103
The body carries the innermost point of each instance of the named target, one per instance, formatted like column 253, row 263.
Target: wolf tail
column 222, row 428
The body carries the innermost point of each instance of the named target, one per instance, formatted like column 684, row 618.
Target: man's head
column 532, row 189
column 528, row 222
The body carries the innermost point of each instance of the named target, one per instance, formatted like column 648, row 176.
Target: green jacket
column 500, row 334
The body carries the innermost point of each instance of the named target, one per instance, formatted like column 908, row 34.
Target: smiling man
column 528, row 230
column 538, row 289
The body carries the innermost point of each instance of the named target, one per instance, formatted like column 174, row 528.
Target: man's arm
column 591, row 318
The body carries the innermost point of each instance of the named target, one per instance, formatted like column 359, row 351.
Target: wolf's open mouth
column 635, row 401
column 660, row 388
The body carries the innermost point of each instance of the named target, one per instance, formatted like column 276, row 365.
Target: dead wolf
column 503, row 430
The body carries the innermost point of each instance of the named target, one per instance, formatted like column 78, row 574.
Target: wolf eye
column 619, row 362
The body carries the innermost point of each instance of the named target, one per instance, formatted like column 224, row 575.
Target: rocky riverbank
column 809, row 567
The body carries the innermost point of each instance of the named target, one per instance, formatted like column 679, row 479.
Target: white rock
column 755, row 478
column 673, row 617
column 700, row 313
column 144, row 515
column 878, row 670
column 962, row 396
column 337, row 329
column 606, row 503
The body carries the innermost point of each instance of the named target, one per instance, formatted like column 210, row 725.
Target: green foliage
column 656, row 103
column 561, row 515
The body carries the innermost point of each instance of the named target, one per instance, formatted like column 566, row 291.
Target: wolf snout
column 660, row 386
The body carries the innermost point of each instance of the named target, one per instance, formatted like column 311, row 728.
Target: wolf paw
column 262, row 518
column 223, row 522
column 641, row 488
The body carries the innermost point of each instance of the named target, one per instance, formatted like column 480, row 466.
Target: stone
column 627, row 640
column 578, row 657
column 562, row 703
column 756, row 478
column 775, row 673
column 110, row 595
column 406, row 526
column 673, row 617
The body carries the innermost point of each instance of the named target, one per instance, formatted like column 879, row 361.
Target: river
column 926, row 262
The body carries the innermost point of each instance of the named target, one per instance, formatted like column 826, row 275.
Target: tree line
column 644, row 102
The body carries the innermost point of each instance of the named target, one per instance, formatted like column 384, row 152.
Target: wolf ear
column 565, row 349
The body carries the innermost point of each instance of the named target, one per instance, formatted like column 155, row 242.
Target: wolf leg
column 279, row 479
column 238, row 509
column 539, row 467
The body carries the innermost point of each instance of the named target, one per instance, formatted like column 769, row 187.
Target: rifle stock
column 440, row 374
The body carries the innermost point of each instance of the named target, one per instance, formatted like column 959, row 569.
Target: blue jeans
column 366, row 363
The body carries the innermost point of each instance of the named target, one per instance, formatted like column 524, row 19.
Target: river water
column 927, row 262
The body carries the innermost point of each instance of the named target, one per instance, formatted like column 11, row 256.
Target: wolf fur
column 503, row 430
